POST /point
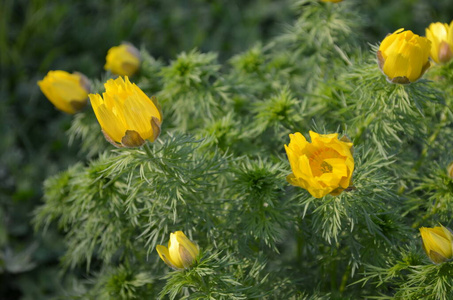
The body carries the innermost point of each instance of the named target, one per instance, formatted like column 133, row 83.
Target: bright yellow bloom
column 438, row 243
column 334, row 1
column 123, row 60
column 321, row 167
column 441, row 37
column 403, row 56
column 181, row 252
column 126, row 115
column 68, row 92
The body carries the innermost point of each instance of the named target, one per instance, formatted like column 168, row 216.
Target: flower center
column 326, row 167
column 317, row 161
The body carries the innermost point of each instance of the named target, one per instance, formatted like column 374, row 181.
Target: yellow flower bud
column 441, row 37
column 334, row 1
column 437, row 243
column 321, row 167
column 450, row 170
column 181, row 252
column 123, row 60
column 403, row 56
column 68, row 92
column 127, row 116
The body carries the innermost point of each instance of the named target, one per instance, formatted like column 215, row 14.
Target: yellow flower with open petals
column 181, row 252
column 127, row 116
column 323, row 166
column 123, row 60
column 403, row 56
column 441, row 37
column 437, row 243
column 68, row 92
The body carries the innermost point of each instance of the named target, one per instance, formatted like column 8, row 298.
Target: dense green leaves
column 217, row 172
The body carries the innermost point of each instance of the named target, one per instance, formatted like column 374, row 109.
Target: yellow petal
column 436, row 33
column 338, row 166
column 320, row 139
column 173, row 249
column 123, row 60
column 450, row 35
column 318, row 167
column 125, row 112
column 440, row 244
column 165, row 256
column 188, row 251
column 437, row 243
column 112, row 126
column 319, row 192
column 297, row 143
column 405, row 56
column 186, row 243
column 64, row 90
column 388, row 42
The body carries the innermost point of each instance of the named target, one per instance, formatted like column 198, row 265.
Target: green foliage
column 37, row 36
column 218, row 173
column 209, row 279
column 188, row 90
column 218, row 170
column 123, row 283
column 262, row 212
column 411, row 278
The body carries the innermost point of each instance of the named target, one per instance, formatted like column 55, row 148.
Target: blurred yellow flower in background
column 404, row 56
column 322, row 167
column 437, row 243
column 450, row 170
column 181, row 252
column 334, row 1
column 123, row 60
column 68, row 92
column 441, row 37
column 126, row 114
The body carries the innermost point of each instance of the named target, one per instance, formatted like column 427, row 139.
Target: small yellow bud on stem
column 437, row 243
column 181, row 252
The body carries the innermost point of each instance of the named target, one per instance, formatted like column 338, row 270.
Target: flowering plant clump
column 123, row 60
column 68, row 92
column 437, row 243
column 336, row 223
column 403, row 56
column 127, row 116
column 441, row 37
column 322, row 167
column 181, row 252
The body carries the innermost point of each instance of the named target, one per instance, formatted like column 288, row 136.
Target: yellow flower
column 126, row 115
column 68, row 92
column 334, row 1
column 441, row 37
column 403, row 56
column 437, row 243
column 181, row 252
column 123, row 60
column 321, row 167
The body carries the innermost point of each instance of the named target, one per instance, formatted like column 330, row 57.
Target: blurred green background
column 38, row 35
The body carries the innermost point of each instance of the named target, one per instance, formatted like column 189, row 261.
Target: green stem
column 344, row 279
column 333, row 274
column 148, row 150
